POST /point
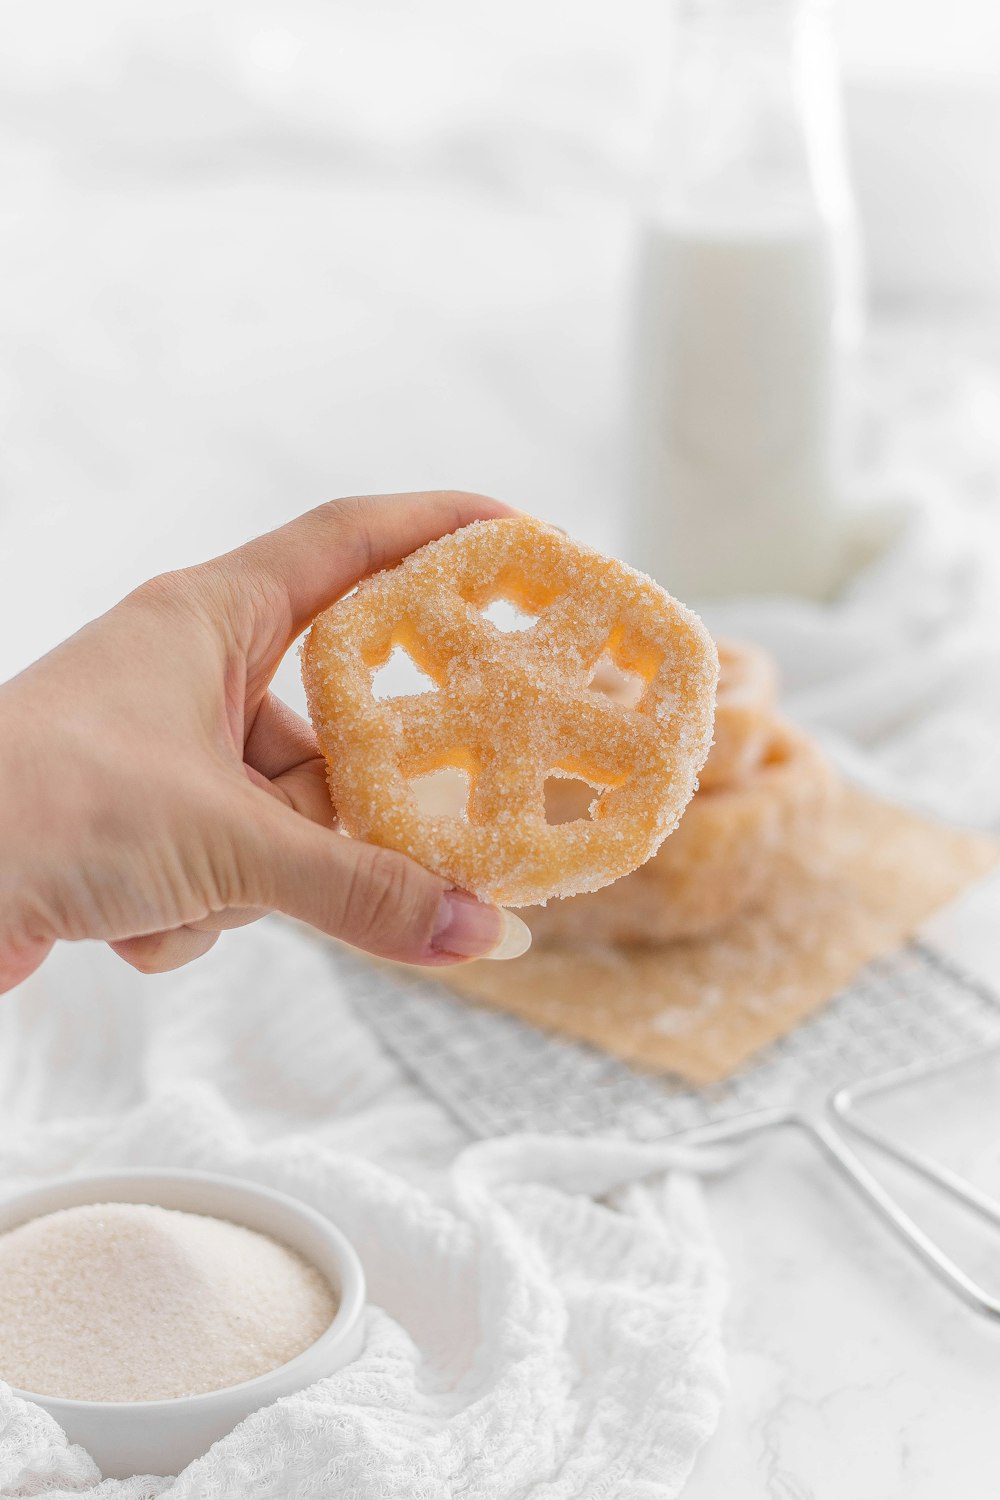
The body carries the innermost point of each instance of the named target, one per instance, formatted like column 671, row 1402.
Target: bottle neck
column 753, row 122
column 765, row 38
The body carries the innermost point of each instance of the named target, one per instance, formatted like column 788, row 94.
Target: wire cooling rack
column 499, row 1075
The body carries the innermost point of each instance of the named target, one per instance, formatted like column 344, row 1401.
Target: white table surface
column 854, row 1373
column 854, row 1377
column 184, row 363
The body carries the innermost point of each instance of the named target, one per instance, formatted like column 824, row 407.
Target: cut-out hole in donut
column 507, row 616
column 622, row 687
column 568, row 800
column 442, row 794
column 400, row 676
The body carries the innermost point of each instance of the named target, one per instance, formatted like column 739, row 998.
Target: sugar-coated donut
column 744, row 707
column 513, row 708
column 719, row 861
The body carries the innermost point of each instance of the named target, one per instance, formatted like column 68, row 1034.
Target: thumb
column 370, row 897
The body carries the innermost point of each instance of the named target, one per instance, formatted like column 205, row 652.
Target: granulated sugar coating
column 130, row 1302
column 512, row 709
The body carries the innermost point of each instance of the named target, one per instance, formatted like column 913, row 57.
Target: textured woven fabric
column 901, row 676
column 540, row 1323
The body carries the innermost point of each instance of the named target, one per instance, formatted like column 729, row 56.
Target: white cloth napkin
column 541, row 1323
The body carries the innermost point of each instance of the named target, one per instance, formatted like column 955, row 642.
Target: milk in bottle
column 747, row 312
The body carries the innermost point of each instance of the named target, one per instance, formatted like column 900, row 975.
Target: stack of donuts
column 763, row 804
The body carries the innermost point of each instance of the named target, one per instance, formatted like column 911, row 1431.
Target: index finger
column 315, row 559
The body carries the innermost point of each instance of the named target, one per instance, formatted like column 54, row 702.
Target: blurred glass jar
column 749, row 309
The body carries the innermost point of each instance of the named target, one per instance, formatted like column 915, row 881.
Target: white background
column 254, row 255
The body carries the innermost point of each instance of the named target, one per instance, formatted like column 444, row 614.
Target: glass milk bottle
column 748, row 308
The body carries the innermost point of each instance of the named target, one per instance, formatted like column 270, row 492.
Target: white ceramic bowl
column 161, row 1437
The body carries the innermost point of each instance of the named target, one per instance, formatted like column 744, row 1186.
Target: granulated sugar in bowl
column 149, row 1313
column 132, row 1302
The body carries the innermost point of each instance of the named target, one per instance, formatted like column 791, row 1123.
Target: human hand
column 154, row 792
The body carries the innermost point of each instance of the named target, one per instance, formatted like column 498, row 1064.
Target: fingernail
column 468, row 928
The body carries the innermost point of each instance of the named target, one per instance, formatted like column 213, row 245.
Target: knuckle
column 196, row 599
column 388, row 901
column 210, row 586
column 226, row 873
column 351, row 522
column 168, row 591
